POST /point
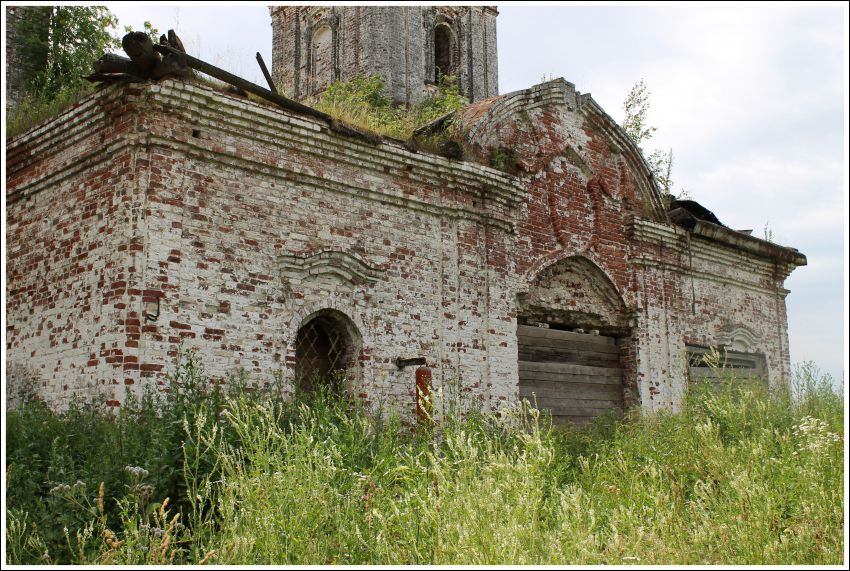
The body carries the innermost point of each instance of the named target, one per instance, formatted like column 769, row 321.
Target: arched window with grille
column 327, row 347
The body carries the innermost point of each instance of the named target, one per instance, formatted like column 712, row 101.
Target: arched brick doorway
column 571, row 327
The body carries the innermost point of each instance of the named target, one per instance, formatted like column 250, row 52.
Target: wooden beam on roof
column 245, row 85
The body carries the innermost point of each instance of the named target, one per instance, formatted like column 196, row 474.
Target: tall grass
column 741, row 475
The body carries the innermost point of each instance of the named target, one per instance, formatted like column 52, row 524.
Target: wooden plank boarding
column 552, row 354
column 573, row 376
column 569, row 368
column 531, row 331
column 573, row 392
column 561, row 379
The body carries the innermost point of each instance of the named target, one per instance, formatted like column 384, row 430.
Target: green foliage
column 447, row 98
column 661, row 165
column 636, row 107
column 64, row 48
column 37, row 107
column 741, row 475
column 90, row 444
column 504, row 159
column 147, row 28
column 34, row 32
column 363, row 102
column 635, row 124
column 79, row 35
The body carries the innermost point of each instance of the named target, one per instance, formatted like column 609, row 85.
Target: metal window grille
column 321, row 348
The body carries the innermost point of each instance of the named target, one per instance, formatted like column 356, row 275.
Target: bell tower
column 410, row 47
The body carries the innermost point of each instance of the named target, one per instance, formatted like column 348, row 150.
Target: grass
column 363, row 103
column 741, row 475
column 38, row 109
column 360, row 103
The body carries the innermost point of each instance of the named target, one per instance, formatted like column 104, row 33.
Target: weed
column 39, row 107
column 363, row 103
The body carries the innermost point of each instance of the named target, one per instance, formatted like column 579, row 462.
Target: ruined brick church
column 159, row 214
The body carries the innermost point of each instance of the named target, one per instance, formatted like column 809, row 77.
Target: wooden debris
column 144, row 62
column 174, row 63
column 169, row 58
column 266, row 73
column 139, row 47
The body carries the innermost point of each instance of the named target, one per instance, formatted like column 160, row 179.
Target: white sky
column 751, row 98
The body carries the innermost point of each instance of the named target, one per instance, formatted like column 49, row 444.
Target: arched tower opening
column 409, row 47
column 443, row 57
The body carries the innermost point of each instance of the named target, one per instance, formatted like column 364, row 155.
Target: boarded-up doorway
column 574, row 376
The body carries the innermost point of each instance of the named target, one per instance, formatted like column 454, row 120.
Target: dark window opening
column 442, row 52
column 324, row 350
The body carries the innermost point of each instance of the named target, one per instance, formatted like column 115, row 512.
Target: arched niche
column 322, row 50
column 445, row 60
column 574, row 293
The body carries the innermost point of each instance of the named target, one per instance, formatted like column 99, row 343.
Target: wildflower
column 60, row 490
column 136, row 471
column 813, row 434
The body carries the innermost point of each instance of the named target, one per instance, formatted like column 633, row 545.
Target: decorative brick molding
column 345, row 267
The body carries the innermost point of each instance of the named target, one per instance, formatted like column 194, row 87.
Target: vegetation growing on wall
column 741, row 475
column 64, row 46
column 636, row 125
column 363, row 102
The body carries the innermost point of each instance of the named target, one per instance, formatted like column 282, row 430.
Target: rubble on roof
column 685, row 213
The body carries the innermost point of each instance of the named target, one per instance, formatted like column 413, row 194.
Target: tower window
column 442, row 52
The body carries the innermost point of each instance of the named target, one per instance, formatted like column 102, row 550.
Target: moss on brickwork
column 577, row 161
column 504, row 158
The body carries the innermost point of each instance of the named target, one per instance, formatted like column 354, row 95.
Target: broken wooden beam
column 140, row 48
column 438, row 124
column 266, row 72
column 114, row 63
column 227, row 77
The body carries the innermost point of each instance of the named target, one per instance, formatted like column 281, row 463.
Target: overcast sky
column 752, row 100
